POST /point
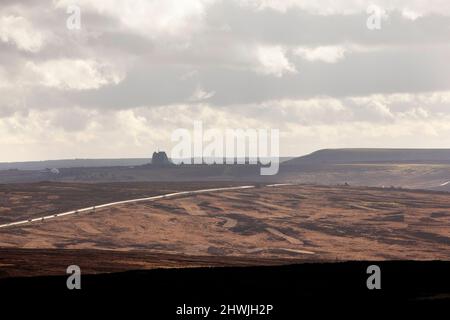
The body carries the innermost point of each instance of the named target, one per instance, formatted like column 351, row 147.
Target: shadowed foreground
column 329, row 288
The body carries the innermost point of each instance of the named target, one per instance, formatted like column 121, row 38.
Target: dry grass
column 291, row 222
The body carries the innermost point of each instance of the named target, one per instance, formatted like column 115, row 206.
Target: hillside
column 405, row 168
column 295, row 222
column 367, row 155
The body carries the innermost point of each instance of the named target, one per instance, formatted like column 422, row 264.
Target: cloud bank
column 136, row 70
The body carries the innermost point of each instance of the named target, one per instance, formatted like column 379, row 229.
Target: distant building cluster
column 160, row 159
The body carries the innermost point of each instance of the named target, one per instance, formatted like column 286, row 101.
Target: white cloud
column 19, row 30
column 411, row 15
column 272, row 60
column 305, row 125
column 200, row 94
column 328, row 54
column 149, row 18
column 224, row 64
column 75, row 74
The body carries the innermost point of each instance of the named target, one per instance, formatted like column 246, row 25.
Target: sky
column 327, row 74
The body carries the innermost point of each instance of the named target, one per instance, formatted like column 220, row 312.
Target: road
column 102, row 206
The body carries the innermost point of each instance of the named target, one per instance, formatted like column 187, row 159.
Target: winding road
column 102, row 206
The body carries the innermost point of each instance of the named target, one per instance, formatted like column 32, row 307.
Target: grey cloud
column 144, row 85
column 71, row 120
column 412, row 59
column 219, row 55
column 297, row 27
column 390, row 71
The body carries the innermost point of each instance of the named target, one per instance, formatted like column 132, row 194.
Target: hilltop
column 374, row 155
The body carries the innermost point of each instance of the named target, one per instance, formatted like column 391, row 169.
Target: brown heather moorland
column 263, row 225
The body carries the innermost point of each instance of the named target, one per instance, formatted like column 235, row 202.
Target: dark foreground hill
column 285, row 292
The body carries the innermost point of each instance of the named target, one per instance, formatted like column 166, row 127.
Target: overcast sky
column 137, row 70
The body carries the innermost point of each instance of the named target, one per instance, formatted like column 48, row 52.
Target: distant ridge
column 87, row 163
column 373, row 155
column 73, row 163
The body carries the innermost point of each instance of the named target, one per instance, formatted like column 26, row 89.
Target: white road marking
column 279, row 184
column 168, row 195
column 445, row 183
column 284, row 249
column 90, row 209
